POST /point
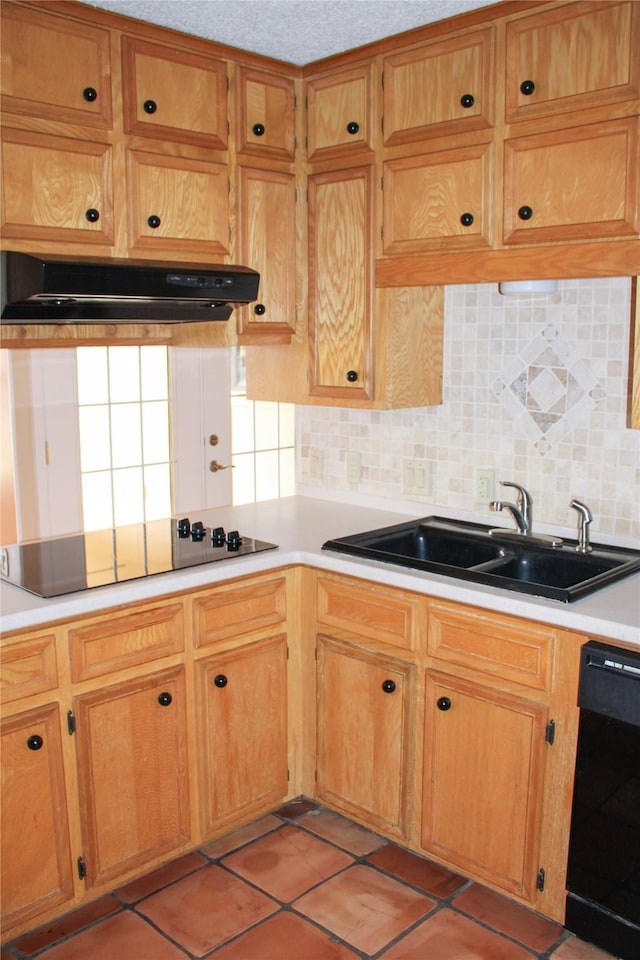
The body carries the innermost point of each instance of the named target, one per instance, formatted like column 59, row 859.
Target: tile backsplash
column 535, row 390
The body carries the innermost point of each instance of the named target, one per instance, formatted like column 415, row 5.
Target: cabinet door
column 174, row 94
column 439, row 89
column 36, row 855
column 341, row 282
column 571, row 57
column 133, row 773
column 242, row 709
column 177, row 204
column 572, row 185
column 438, row 200
column 340, row 112
column 54, row 68
column 267, row 241
column 363, row 734
column 56, row 189
column 483, row 781
column 266, row 114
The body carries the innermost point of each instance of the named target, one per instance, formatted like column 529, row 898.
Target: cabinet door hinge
column 71, row 723
column 82, row 868
column 540, row 879
column 288, row 775
column 550, row 732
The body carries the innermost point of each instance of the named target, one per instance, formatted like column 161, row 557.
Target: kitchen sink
column 481, row 554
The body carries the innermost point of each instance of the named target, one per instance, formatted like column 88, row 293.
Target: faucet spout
column 521, row 524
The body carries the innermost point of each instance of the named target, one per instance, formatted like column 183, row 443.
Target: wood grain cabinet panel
column 28, row 666
column 239, row 609
column 266, row 115
column 386, row 616
column 341, row 112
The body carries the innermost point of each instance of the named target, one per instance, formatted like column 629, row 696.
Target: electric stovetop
column 51, row 568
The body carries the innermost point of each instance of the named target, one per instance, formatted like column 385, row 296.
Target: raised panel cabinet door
column 439, row 89
column 71, row 86
column 572, row 57
column 483, row 781
column 576, row 184
column 177, row 205
column 364, row 713
column 267, row 242
column 341, row 265
column 56, row 189
column 266, row 114
column 438, row 200
column 340, row 112
column 35, row 847
column 242, row 711
column 174, row 94
column 133, row 773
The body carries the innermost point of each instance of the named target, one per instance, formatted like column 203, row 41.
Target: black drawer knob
column 35, row 741
column 90, row 94
column 260, row 309
column 352, row 376
column 443, row 703
column 525, row 213
column 467, row 100
column 220, row 680
column 527, row 87
column 466, row 219
column 388, row 686
column 154, row 222
column 258, row 129
column 92, row 215
column 149, row 106
column 353, row 127
column 164, row 699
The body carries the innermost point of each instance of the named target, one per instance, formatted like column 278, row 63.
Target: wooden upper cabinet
column 341, row 112
column 572, row 57
column 439, row 89
column 574, row 184
column 266, row 114
column 174, row 94
column 54, row 68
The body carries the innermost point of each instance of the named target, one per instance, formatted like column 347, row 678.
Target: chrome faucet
column 584, row 519
column 521, row 510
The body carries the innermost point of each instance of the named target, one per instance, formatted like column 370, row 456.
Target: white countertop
column 300, row 525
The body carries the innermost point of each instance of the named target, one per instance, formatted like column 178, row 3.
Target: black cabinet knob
column 260, row 309
column 466, row 219
column 154, row 222
column 527, row 87
column 352, row 376
column 388, row 686
column 220, row 680
column 164, row 699
column 353, row 127
column 35, row 741
column 443, row 703
column 149, row 106
column 92, row 215
column 525, row 213
column 467, row 100
column 258, row 129
column 90, row 94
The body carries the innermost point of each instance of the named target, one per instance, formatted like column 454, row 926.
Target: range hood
column 50, row 290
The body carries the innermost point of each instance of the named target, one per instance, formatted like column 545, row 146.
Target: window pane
column 157, row 492
column 95, row 453
column 96, row 500
column 287, row 413
column 243, row 479
column 155, row 432
column 241, row 425
column 266, row 433
column 153, row 373
column 287, row 486
column 128, row 499
column 124, row 374
column 93, row 378
column 267, row 475
column 126, row 439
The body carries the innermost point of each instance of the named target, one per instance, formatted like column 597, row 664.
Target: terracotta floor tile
column 125, row 937
column 296, row 808
column 161, row 877
column 450, row 936
column 287, row 862
column 523, row 925
column 575, row 949
column 218, row 848
column 344, row 833
column 206, row 909
column 50, row 933
column 417, row 871
column 364, row 907
column 285, row 937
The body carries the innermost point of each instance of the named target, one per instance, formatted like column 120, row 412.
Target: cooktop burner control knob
column 218, row 536
column 233, row 540
column 184, row 528
column 197, row 531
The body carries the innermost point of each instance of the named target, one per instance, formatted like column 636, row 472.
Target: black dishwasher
column 603, row 878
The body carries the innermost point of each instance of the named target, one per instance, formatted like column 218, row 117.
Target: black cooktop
column 52, row 568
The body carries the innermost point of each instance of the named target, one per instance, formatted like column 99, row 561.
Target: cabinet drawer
column 369, row 611
column 28, row 667
column 230, row 611
column 492, row 644
column 102, row 646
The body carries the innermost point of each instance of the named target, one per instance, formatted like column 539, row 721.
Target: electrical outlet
column 315, row 464
column 416, row 478
column 485, row 485
column 353, row 466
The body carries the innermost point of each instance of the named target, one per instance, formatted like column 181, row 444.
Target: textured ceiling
column 296, row 31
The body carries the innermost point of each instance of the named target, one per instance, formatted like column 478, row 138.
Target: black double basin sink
column 482, row 554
